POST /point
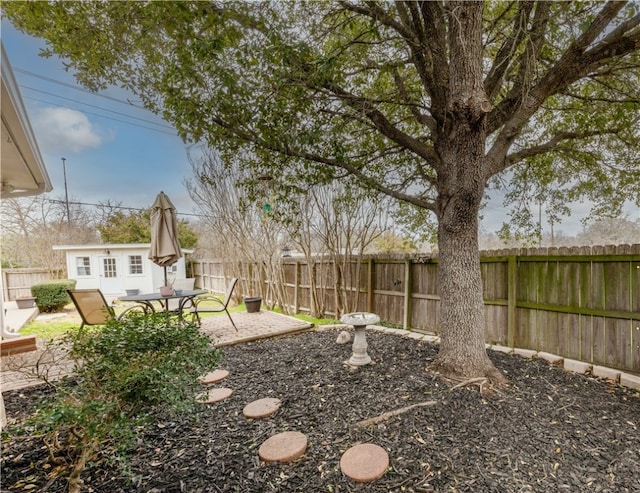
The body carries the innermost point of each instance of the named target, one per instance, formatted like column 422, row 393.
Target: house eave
column 23, row 172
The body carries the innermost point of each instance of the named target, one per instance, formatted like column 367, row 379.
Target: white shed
column 115, row 268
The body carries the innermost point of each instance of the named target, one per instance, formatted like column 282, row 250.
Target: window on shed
column 83, row 266
column 135, row 264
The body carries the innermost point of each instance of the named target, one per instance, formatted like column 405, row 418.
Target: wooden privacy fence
column 581, row 303
column 18, row 282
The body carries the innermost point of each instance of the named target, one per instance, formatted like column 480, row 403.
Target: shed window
column 83, row 266
column 135, row 264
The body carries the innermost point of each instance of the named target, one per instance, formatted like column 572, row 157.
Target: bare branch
column 501, row 61
column 421, row 118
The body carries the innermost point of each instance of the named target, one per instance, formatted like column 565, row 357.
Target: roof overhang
column 22, row 170
column 110, row 247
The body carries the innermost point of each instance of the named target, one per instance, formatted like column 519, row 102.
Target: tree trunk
column 461, row 183
column 462, row 351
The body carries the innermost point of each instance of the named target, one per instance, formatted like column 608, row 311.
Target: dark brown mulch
column 549, row 430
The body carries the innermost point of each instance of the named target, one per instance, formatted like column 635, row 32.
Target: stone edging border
column 614, row 376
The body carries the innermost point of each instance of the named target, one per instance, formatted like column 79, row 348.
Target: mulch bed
column 548, row 430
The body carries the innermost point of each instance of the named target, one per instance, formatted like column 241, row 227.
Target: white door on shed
column 110, row 278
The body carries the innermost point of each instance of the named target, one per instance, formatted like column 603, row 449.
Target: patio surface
column 251, row 326
column 19, row 370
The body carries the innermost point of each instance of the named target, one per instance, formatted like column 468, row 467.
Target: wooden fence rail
column 18, row 282
column 581, row 303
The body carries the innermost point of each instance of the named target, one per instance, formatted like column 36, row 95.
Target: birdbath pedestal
column 360, row 320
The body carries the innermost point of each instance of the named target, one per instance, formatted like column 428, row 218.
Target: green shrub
column 51, row 296
column 125, row 371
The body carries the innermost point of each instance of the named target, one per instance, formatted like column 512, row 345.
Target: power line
column 76, row 87
column 109, row 206
column 81, row 89
column 101, row 116
column 98, row 107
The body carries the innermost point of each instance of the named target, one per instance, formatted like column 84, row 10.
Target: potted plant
column 25, row 302
column 253, row 304
column 166, row 290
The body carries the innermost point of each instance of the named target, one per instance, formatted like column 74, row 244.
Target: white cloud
column 66, row 130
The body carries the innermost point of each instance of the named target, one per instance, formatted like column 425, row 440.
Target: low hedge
column 51, row 296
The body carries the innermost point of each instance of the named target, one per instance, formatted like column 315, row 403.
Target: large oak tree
column 430, row 103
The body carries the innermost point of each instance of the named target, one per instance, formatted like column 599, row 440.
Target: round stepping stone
column 213, row 377
column 261, row 408
column 283, row 447
column 365, row 462
column 214, row 395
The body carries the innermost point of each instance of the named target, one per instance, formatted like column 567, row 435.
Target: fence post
column 5, row 287
column 408, row 291
column 296, row 287
column 370, row 286
column 512, row 292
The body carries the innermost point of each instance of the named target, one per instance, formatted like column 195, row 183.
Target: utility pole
column 66, row 193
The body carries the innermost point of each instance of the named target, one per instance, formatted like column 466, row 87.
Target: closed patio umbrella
column 165, row 249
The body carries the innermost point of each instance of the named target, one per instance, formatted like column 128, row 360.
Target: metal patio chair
column 221, row 304
column 93, row 307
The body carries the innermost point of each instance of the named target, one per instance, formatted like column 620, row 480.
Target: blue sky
column 118, row 152
column 113, row 151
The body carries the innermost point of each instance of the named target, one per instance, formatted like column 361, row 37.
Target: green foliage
column 125, row 371
column 135, row 227
column 126, row 228
column 323, row 90
column 187, row 236
column 51, row 296
column 390, row 243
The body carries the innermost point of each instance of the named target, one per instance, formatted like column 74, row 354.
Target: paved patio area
column 22, row 370
column 15, row 318
column 251, row 326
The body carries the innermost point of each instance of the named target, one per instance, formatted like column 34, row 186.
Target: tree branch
column 549, row 146
column 421, row 118
column 572, row 66
column 435, row 44
column 384, row 126
column 501, row 62
column 527, row 61
column 252, row 138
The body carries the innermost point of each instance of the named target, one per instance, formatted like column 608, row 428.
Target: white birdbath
column 360, row 320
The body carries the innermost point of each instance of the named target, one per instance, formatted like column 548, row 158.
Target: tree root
column 481, row 381
column 492, row 377
column 389, row 414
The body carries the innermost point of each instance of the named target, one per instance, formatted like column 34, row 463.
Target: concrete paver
column 364, row 462
column 283, row 447
column 213, row 377
column 214, row 395
column 262, row 408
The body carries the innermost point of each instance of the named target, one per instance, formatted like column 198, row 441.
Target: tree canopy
column 431, row 103
column 135, row 227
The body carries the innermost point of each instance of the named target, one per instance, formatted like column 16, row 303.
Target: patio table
column 183, row 297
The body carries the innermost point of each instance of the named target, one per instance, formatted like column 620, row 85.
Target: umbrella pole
column 165, row 275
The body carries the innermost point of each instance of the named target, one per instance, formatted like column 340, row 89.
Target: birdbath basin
column 359, row 320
